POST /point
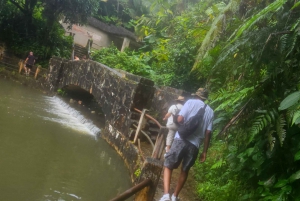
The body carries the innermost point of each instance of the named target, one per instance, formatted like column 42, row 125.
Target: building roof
column 112, row 29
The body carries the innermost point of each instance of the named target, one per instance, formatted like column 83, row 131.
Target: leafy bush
column 128, row 61
column 216, row 180
column 39, row 37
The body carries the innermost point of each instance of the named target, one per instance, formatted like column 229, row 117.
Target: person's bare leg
column 181, row 181
column 28, row 71
column 168, row 147
column 167, row 179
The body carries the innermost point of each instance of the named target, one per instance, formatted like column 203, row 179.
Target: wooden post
column 21, row 65
column 140, row 126
column 38, row 69
column 125, row 44
column 72, row 54
column 152, row 169
column 160, row 143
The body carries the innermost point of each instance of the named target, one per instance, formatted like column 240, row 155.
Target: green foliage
column 128, row 61
column 217, row 182
column 32, row 25
column 246, row 52
column 251, row 76
column 138, row 172
column 61, row 92
column 273, row 7
column 290, row 100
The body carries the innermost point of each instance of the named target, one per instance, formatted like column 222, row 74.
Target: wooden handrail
column 128, row 193
column 149, row 117
column 145, row 134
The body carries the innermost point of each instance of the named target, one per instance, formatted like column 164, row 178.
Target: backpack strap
column 177, row 111
column 198, row 113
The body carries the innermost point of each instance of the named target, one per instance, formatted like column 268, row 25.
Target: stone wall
column 163, row 98
column 117, row 92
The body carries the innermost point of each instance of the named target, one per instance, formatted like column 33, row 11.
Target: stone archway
column 117, row 92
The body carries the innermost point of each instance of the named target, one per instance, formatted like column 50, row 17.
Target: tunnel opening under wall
column 83, row 101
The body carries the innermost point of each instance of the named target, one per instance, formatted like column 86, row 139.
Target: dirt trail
column 187, row 193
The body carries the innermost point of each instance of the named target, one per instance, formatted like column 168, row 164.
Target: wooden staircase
column 80, row 51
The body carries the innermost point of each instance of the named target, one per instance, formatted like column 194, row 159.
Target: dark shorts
column 28, row 66
column 181, row 151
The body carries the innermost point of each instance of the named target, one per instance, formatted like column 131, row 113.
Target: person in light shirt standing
column 186, row 151
column 171, row 125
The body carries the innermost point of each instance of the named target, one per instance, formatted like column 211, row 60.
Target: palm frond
column 232, row 49
column 214, row 32
column 273, row 7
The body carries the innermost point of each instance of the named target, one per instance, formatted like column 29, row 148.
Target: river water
column 49, row 151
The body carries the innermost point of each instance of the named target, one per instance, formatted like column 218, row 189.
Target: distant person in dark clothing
column 29, row 62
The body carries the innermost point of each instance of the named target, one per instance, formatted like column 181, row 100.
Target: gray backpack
column 190, row 126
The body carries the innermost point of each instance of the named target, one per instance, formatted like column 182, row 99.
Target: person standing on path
column 171, row 125
column 29, row 62
column 186, row 151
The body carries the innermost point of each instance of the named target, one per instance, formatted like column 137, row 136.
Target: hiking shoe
column 173, row 198
column 166, row 197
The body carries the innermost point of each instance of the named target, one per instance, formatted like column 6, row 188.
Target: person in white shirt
column 186, row 151
column 171, row 125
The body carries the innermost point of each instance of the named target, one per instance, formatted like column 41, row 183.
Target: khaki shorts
column 181, row 151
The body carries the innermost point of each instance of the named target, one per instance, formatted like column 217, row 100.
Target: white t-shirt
column 190, row 108
column 174, row 109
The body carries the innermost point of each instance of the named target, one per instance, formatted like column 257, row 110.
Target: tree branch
column 233, row 119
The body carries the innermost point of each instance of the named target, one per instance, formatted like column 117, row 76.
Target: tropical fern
column 296, row 36
column 271, row 139
column 218, row 164
column 280, row 130
column 229, row 99
column 261, row 122
column 283, row 43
